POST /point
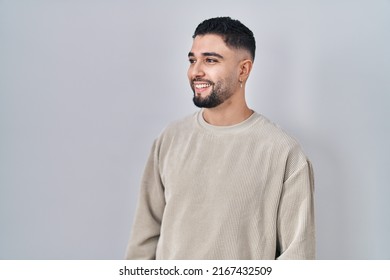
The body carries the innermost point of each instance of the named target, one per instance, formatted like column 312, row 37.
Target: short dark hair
column 233, row 32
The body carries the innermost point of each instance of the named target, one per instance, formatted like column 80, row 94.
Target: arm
column 296, row 228
column 149, row 212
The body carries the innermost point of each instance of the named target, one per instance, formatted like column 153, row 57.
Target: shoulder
column 181, row 124
column 272, row 132
column 178, row 127
column 283, row 144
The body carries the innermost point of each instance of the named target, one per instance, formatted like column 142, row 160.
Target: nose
column 195, row 70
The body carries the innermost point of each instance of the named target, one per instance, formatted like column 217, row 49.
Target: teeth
column 202, row 85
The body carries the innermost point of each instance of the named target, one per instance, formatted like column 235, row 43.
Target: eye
column 211, row 60
column 191, row 60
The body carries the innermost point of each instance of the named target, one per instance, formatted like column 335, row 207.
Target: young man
column 224, row 183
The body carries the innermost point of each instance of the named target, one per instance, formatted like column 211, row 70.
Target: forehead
column 209, row 43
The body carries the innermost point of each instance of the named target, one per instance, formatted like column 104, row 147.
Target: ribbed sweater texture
column 225, row 192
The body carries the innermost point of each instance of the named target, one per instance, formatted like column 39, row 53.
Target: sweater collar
column 231, row 128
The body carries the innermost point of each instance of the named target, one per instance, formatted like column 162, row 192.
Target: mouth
column 200, row 87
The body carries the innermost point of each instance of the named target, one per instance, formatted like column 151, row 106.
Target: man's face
column 213, row 72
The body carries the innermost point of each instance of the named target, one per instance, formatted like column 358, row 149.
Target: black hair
column 233, row 32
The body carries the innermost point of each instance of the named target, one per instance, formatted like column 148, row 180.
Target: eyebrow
column 207, row 54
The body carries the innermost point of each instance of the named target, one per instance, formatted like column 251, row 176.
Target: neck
column 230, row 112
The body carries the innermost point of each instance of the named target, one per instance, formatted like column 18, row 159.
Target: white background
column 86, row 86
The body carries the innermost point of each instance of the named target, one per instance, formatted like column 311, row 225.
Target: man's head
column 233, row 32
column 221, row 59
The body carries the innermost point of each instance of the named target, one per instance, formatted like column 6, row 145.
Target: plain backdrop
column 87, row 85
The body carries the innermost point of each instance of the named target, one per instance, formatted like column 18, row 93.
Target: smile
column 199, row 86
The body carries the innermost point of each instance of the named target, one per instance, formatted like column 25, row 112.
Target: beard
column 218, row 95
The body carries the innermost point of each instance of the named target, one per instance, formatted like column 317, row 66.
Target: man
column 224, row 183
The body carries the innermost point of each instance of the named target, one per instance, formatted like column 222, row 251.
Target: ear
column 245, row 69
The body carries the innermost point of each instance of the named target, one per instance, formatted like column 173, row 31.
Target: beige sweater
column 236, row 192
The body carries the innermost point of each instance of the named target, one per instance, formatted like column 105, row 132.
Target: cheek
column 234, row 77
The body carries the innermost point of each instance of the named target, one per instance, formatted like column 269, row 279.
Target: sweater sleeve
column 296, row 228
column 151, row 203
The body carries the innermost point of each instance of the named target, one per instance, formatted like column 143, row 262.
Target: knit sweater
column 225, row 192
